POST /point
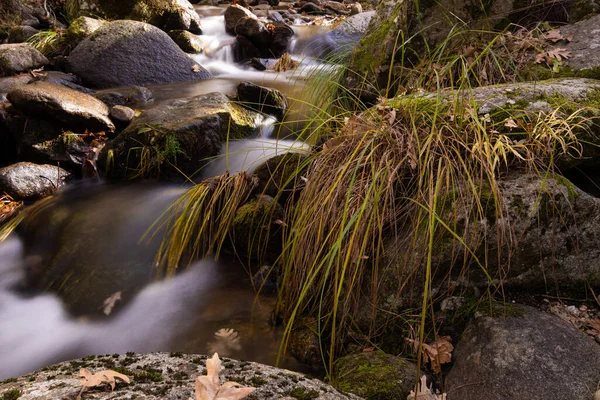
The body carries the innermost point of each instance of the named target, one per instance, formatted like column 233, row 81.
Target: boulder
column 63, row 79
column 187, row 41
column 165, row 14
column 527, row 355
column 180, row 132
column 262, row 99
column 122, row 53
column 75, row 109
column 585, row 60
column 375, row 375
column 254, row 232
column 334, row 7
column 20, row 34
column 28, row 181
column 339, row 40
column 83, row 27
column 121, row 115
column 19, row 57
column 132, row 95
column 167, row 376
column 10, row 82
column 233, row 14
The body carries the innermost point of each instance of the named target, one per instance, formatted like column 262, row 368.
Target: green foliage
column 48, row 42
column 12, row 394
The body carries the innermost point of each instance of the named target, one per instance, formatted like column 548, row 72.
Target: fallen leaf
column 109, row 303
column 560, row 53
column 511, row 124
column 553, row 36
column 437, row 353
column 108, row 376
column 208, row 387
column 196, row 68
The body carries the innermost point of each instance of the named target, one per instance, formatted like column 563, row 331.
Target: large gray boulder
column 28, row 181
column 122, row 53
column 181, row 132
column 75, row 109
column 163, row 376
column 529, row 355
column 165, row 14
column 19, row 57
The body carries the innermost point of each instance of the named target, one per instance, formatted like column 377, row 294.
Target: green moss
column 148, row 376
column 258, row 381
column 374, row 376
column 582, row 9
column 9, row 380
column 11, row 394
column 571, row 188
column 301, row 393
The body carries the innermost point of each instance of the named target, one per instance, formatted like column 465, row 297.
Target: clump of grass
column 48, row 42
column 382, row 177
column 21, row 215
column 197, row 224
column 285, row 63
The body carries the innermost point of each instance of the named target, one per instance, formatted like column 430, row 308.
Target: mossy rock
column 280, row 175
column 304, row 342
column 254, row 232
column 176, row 138
column 375, row 375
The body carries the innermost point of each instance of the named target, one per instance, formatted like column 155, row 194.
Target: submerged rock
column 375, row 375
column 529, row 355
column 75, row 109
column 122, row 53
column 181, row 132
column 28, row 181
column 164, row 376
column 19, row 57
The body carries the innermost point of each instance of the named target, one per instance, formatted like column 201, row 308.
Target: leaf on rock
column 107, row 376
column 553, row 36
column 208, row 387
column 560, row 53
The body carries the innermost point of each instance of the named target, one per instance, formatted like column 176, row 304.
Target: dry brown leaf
column 208, row 387
column 108, row 376
column 437, row 353
column 511, row 124
column 553, row 36
column 424, row 392
column 560, row 53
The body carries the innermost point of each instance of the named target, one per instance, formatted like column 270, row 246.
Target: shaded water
column 180, row 314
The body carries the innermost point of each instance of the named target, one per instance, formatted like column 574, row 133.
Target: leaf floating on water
column 110, row 302
column 425, row 393
column 226, row 341
column 209, row 387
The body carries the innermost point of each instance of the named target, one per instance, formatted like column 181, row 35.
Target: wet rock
column 75, row 109
column 20, row 34
column 335, row 7
column 355, row 8
column 63, row 79
column 233, row 14
column 262, row 99
column 19, row 57
column 28, row 181
column 340, row 39
column 530, row 355
column 181, row 15
column 278, row 176
column 133, row 95
column 154, row 375
column 304, row 343
column 254, row 232
column 83, row 27
column 375, row 375
column 122, row 53
column 187, row 41
column 9, row 83
column 184, row 132
column 122, row 115
column 312, row 9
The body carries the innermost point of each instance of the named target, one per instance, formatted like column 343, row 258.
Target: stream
column 179, row 314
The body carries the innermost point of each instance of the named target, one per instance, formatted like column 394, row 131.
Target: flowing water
column 103, row 230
